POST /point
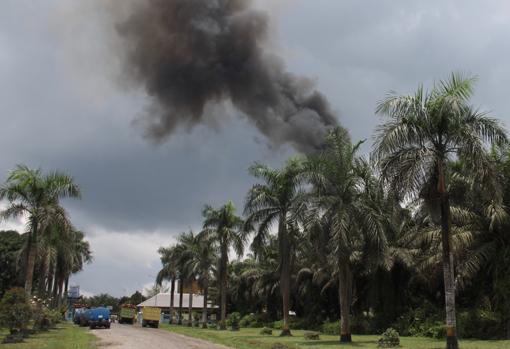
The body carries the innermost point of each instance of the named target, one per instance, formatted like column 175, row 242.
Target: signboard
column 74, row 292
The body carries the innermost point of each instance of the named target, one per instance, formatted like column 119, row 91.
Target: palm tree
column 201, row 264
column 36, row 195
column 168, row 272
column 343, row 194
column 277, row 201
column 223, row 227
column 423, row 133
column 179, row 258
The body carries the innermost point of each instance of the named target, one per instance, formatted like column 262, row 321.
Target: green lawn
column 250, row 339
column 65, row 336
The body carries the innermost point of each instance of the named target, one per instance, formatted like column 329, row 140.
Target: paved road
column 135, row 337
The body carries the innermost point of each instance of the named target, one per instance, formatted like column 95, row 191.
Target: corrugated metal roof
column 162, row 300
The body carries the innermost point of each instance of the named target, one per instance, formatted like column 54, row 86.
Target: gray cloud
column 61, row 107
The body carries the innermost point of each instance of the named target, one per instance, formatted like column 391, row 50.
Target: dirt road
column 135, row 337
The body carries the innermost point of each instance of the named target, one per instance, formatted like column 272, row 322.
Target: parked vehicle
column 78, row 313
column 127, row 314
column 151, row 316
column 98, row 317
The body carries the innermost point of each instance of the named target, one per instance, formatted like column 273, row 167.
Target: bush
column 389, row 339
column 252, row 321
column 266, row 331
column 312, row 336
column 482, row 324
column 360, row 324
column 331, row 328
column 15, row 311
column 233, row 321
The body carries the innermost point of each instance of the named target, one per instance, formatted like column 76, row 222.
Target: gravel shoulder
column 136, row 337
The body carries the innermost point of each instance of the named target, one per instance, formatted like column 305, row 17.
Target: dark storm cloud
column 188, row 53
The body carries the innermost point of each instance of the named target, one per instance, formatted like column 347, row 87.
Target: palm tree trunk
column 204, row 309
column 172, row 292
column 55, row 290
column 223, row 286
column 30, row 263
column 60, row 291
column 66, row 289
column 345, row 293
column 181, row 289
column 44, row 275
column 448, row 266
column 49, row 282
column 284, row 275
column 190, row 308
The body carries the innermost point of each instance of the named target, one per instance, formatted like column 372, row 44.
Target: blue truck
column 96, row 317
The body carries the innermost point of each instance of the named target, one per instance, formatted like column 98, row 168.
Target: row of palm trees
column 355, row 211
column 54, row 249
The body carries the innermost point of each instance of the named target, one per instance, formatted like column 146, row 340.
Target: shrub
column 389, row 339
column 482, row 324
column 331, row 328
column 15, row 312
column 266, row 331
column 233, row 321
column 360, row 324
column 312, row 336
column 252, row 321
column 278, row 325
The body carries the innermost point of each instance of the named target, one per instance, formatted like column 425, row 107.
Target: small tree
column 15, row 310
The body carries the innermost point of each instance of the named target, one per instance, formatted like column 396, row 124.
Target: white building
column 162, row 300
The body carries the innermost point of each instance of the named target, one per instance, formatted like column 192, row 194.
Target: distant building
column 162, row 301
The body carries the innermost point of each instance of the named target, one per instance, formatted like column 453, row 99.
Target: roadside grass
column 65, row 336
column 249, row 338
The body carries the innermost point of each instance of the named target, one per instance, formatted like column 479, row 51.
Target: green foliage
column 252, row 321
column 15, row 310
column 104, row 300
column 266, row 331
column 482, row 324
column 331, row 328
column 312, row 336
column 389, row 339
column 233, row 320
column 10, row 243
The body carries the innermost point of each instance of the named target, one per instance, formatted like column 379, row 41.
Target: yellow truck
column 151, row 316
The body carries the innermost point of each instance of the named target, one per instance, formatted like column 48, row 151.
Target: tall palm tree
column 187, row 242
column 36, row 195
column 277, row 201
column 180, row 256
column 343, row 193
column 223, row 227
column 423, row 132
column 168, row 272
column 201, row 264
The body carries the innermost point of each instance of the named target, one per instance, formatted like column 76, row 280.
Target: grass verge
column 250, row 338
column 65, row 336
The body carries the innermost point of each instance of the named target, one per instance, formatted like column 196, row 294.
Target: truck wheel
column 92, row 327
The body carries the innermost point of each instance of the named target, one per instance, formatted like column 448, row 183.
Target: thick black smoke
column 187, row 53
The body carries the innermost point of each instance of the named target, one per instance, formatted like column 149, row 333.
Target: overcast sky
column 62, row 107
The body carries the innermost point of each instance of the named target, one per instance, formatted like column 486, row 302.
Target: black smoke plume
column 188, row 53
